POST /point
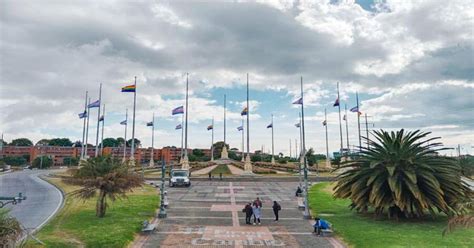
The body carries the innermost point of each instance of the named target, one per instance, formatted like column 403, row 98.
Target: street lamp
column 162, row 214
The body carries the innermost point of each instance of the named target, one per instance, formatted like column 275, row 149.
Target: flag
column 240, row 128
column 356, row 109
column 299, row 101
column 129, row 88
column 344, row 117
column 123, row 122
column 178, row 127
column 297, row 125
column 149, row 124
column 95, row 104
column 210, row 127
column 101, row 118
column 336, row 103
column 324, row 123
column 245, row 111
column 83, row 115
column 270, row 125
column 178, row 110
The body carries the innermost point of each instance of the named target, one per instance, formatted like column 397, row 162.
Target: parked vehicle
column 179, row 177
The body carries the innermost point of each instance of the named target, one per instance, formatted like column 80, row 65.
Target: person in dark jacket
column 248, row 213
column 298, row 191
column 276, row 208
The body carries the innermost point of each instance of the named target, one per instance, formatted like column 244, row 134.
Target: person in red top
column 257, row 202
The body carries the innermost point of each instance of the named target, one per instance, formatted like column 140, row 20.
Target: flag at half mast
column 299, row 101
column 270, row 125
column 210, row 127
column 245, row 111
column 336, row 103
column 356, row 110
column 129, row 88
column 324, row 123
column 101, row 118
column 149, row 124
column 178, row 110
column 178, row 127
column 240, row 128
column 123, row 122
column 83, row 115
column 297, row 125
column 95, row 104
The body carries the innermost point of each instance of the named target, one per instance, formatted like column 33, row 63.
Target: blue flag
column 299, row 101
column 95, row 104
column 336, row 103
column 83, row 115
column 178, row 127
column 123, row 122
column 149, row 124
column 270, row 125
column 178, row 110
column 240, row 128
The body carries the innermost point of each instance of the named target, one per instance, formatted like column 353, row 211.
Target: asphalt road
column 43, row 199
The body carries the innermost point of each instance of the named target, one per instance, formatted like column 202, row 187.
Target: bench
column 147, row 227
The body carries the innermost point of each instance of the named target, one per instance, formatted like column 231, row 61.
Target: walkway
column 235, row 170
column 204, row 171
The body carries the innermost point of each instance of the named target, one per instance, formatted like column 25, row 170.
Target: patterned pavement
column 209, row 214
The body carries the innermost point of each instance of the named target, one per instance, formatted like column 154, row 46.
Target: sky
column 411, row 62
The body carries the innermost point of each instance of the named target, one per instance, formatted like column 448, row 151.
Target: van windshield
column 180, row 173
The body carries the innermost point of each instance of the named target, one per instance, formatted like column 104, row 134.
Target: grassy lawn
column 77, row 226
column 364, row 231
column 221, row 169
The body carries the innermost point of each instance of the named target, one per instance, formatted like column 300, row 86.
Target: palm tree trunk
column 101, row 204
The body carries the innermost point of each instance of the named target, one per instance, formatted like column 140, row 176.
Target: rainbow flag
column 129, row 88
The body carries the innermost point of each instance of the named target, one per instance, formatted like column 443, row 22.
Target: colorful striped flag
column 178, row 110
column 245, row 111
column 129, row 88
column 356, row 110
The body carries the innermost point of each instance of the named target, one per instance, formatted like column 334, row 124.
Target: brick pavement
column 209, row 214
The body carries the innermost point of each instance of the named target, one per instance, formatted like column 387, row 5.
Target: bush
column 15, row 161
column 70, row 161
column 47, row 162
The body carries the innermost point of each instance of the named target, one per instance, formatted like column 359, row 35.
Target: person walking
column 258, row 202
column 276, row 208
column 248, row 213
column 257, row 211
column 210, row 176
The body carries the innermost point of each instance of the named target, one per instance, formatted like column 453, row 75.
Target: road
column 43, row 199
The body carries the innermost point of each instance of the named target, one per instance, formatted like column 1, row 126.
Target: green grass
column 77, row 226
column 221, row 169
column 359, row 230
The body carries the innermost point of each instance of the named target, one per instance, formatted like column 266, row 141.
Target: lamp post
column 162, row 214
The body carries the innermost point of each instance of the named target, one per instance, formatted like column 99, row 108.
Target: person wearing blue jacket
column 319, row 225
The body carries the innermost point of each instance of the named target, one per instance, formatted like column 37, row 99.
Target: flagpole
column 125, row 142
column 102, row 138
column 84, row 126
column 328, row 162
column 86, row 155
column 224, row 153
column 212, row 140
column 347, row 127
column 301, row 153
column 358, row 121
column 152, row 141
column 98, row 123
column 132, row 155
column 307, row 215
column 243, row 146
column 296, row 148
column 182, row 136
column 248, row 164
column 340, row 124
column 273, row 145
column 185, row 162
column 290, row 148
column 367, row 130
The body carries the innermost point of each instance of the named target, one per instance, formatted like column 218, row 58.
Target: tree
column 77, row 143
column 42, row 162
column 60, row 142
column 313, row 158
column 198, row 153
column 467, row 165
column 137, row 143
column 111, row 142
column 42, row 142
column 21, row 142
column 108, row 177
column 70, row 161
column 402, row 173
column 120, row 141
column 15, row 161
column 10, row 229
column 2, row 142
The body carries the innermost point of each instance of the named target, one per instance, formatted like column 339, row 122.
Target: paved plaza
column 209, row 214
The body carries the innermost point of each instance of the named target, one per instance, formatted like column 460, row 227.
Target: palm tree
column 402, row 173
column 108, row 177
column 10, row 229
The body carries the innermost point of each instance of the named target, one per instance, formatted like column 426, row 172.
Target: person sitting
column 320, row 224
column 298, row 191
